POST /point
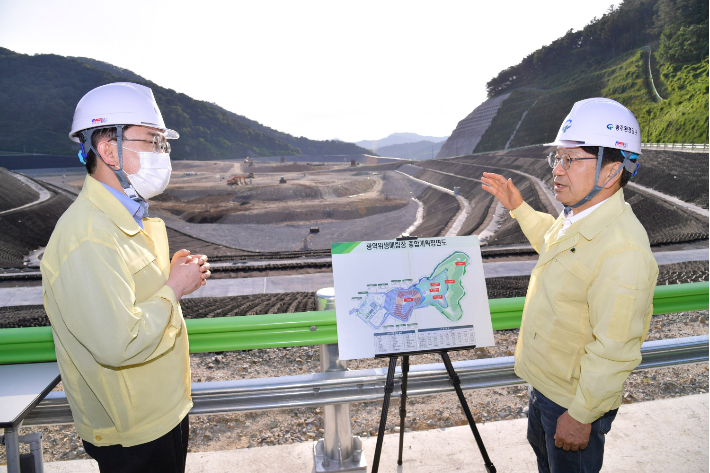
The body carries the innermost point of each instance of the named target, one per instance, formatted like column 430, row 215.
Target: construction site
column 267, row 229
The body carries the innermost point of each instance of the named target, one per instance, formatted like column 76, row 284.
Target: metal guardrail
column 339, row 387
column 699, row 147
column 336, row 387
column 35, row 344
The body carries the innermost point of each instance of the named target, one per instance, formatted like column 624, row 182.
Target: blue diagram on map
column 442, row 289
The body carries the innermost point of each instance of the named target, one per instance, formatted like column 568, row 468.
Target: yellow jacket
column 588, row 306
column 118, row 330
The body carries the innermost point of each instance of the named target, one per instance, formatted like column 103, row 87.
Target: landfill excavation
column 277, row 220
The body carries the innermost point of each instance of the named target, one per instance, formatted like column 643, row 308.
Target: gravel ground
column 254, row 429
column 290, row 237
column 257, row 237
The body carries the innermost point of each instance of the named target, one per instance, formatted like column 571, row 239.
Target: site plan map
column 407, row 296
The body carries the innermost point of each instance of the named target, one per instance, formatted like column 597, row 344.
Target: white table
column 22, row 387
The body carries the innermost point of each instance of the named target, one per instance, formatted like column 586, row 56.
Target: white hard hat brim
column 576, row 144
column 169, row 134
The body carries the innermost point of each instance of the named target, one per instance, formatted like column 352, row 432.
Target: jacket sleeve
column 98, row 303
column 620, row 309
column 534, row 224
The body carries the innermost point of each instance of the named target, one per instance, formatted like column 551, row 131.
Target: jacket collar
column 588, row 227
column 108, row 204
column 595, row 222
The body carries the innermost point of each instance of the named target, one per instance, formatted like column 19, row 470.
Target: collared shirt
column 569, row 219
column 133, row 207
column 119, row 334
column 588, row 306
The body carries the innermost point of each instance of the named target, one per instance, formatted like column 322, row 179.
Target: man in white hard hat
column 589, row 301
column 111, row 291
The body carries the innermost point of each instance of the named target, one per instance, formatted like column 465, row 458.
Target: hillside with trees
column 651, row 55
column 39, row 93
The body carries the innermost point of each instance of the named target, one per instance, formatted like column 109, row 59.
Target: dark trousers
column 163, row 455
column 542, row 425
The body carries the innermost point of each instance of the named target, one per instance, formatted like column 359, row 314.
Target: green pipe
column 228, row 341
column 25, row 335
column 261, row 322
column 27, row 352
column 35, row 344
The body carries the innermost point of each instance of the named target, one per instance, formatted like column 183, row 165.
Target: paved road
column 44, row 194
column 15, row 296
column 665, row 435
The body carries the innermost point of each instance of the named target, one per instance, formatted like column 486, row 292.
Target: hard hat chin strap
column 128, row 189
column 625, row 164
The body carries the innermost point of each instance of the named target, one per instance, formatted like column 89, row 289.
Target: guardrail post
column 12, row 449
column 338, row 450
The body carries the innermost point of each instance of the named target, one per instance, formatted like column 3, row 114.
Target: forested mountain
column 38, row 95
column 115, row 70
column 634, row 50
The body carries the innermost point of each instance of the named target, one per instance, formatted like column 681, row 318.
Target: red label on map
column 450, row 281
column 408, row 299
column 435, row 284
column 434, row 290
column 438, row 297
column 460, row 263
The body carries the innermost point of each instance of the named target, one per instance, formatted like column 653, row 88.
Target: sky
column 320, row 69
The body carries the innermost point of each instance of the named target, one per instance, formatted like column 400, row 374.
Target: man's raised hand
column 502, row 189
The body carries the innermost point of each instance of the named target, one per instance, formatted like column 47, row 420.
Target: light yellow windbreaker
column 588, row 306
column 119, row 334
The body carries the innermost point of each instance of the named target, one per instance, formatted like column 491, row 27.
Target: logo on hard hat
column 610, row 126
column 566, row 126
column 621, row 144
column 96, row 121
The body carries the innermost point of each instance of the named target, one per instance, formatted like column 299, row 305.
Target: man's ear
column 610, row 169
column 106, row 150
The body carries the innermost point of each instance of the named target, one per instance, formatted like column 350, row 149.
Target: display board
column 408, row 296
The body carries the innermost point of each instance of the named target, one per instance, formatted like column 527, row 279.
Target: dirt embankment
column 204, row 166
column 302, row 199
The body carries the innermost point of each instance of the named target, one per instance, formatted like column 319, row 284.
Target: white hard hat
column 600, row 122
column 119, row 103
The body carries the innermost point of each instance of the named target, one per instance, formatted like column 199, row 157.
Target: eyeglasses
column 553, row 159
column 159, row 144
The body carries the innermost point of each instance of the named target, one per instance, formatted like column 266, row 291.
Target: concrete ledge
column 653, row 436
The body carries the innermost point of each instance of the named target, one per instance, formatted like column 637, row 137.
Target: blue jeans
column 542, row 424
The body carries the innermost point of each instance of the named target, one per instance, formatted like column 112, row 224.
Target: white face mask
column 153, row 176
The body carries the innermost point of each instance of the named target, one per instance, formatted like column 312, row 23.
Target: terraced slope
column 440, row 208
column 665, row 223
column 681, row 175
column 14, row 193
column 444, row 172
column 28, row 229
column 675, row 173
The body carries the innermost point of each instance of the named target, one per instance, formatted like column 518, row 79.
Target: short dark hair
column 611, row 155
column 99, row 136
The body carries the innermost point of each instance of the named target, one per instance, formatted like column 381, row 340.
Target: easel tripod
column 389, row 387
